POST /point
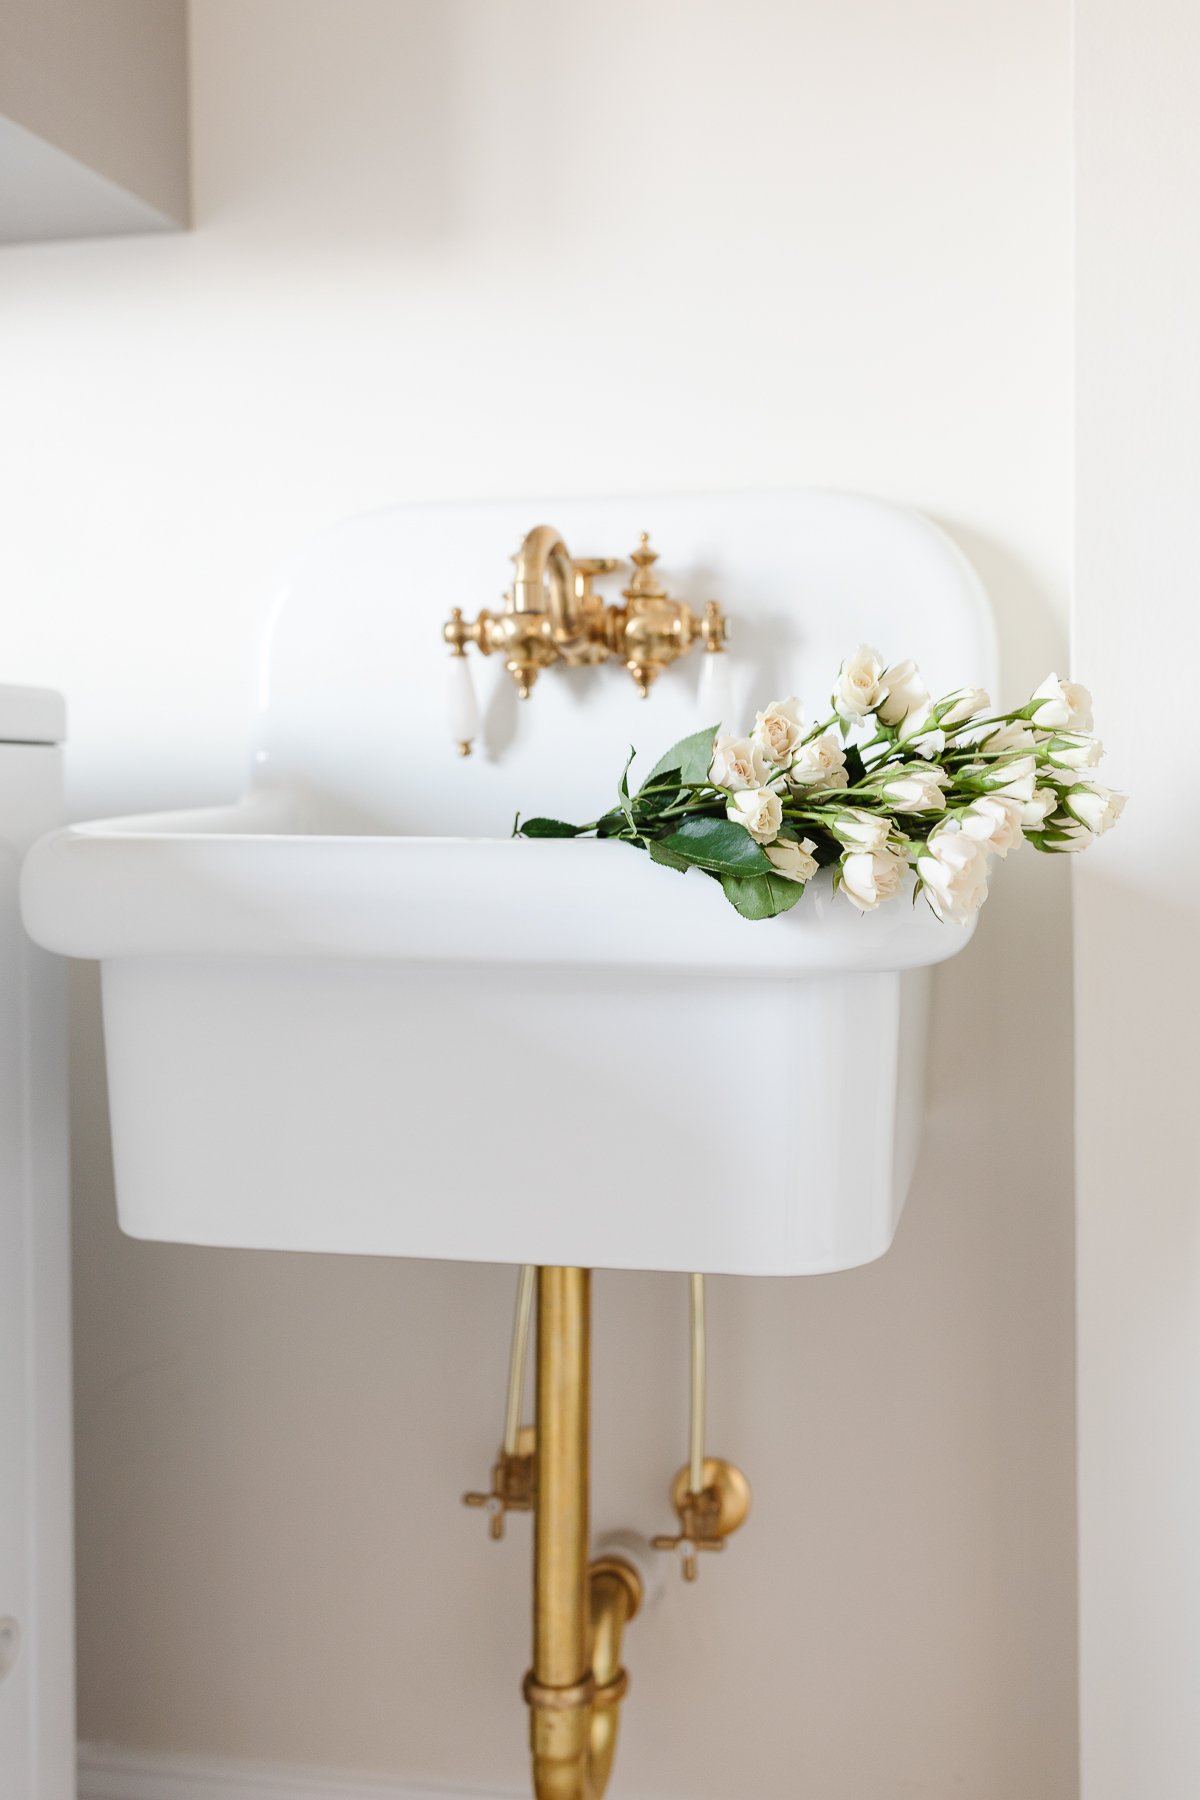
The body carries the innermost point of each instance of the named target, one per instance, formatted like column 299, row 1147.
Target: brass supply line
column 711, row 1496
column 577, row 1681
column 515, row 1399
column 699, row 1336
column 512, row 1471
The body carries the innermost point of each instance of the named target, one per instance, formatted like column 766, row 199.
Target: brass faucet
column 552, row 613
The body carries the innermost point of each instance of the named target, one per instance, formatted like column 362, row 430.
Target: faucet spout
column 543, row 570
column 540, row 624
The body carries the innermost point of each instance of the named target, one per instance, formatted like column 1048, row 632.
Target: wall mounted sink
column 332, row 1026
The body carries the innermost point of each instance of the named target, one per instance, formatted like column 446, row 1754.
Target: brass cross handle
column 512, row 1484
column 706, row 1519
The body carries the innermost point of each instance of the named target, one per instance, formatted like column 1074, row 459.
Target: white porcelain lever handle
column 715, row 697
column 461, row 706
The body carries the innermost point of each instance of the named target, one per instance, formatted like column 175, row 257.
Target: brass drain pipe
column 576, row 1683
column 616, row 1595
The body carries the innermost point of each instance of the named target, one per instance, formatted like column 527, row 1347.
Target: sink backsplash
column 353, row 680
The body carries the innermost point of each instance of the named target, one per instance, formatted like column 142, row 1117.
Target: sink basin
column 330, row 1025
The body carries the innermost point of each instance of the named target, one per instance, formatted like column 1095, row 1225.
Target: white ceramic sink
column 331, row 1026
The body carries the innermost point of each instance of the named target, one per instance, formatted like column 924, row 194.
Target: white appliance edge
column 37, row 1710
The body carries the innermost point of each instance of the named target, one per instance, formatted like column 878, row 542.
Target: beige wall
column 473, row 249
column 1138, row 968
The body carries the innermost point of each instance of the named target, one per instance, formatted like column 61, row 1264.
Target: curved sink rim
column 226, row 881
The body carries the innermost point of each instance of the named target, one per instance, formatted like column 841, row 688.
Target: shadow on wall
column 1023, row 614
column 273, row 1562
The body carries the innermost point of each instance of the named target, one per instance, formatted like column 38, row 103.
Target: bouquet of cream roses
column 893, row 791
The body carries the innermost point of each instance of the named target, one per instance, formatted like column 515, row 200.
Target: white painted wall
column 1137, row 625
column 473, row 249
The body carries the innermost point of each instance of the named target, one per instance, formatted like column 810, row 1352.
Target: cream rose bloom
column 1097, row 807
column 904, row 693
column 953, row 871
column 778, row 730
column 737, row 763
column 1074, row 752
column 916, row 790
column 1006, row 738
column 1035, row 812
column 963, row 704
column 1067, row 839
column 872, row 876
column 858, row 689
column 920, row 731
column 1015, row 778
column 759, row 810
column 821, row 764
column 795, row 862
column 1061, row 706
column 861, row 830
column 995, row 822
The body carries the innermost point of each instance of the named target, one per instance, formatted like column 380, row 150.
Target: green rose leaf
column 855, row 767
column 665, row 793
column 761, row 896
column 549, row 828
column 691, row 757
column 670, row 859
column 623, row 790
column 718, row 844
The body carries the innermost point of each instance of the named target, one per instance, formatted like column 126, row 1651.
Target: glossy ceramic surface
column 349, row 1013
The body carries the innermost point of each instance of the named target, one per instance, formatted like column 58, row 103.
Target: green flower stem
column 820, row 730
column 996, row 719
column 678, row 787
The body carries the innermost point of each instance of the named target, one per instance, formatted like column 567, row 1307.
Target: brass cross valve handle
column 706, row 1519
column 654, row 628
column 552, row 613
column 512, row 1484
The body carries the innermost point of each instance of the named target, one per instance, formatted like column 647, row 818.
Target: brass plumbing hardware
column 561, row 1685
column 552, row 613
column 512, row 1484
column 711, row 1496
column 512, row 1471
column 707, row 1514
column 580, row 1609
